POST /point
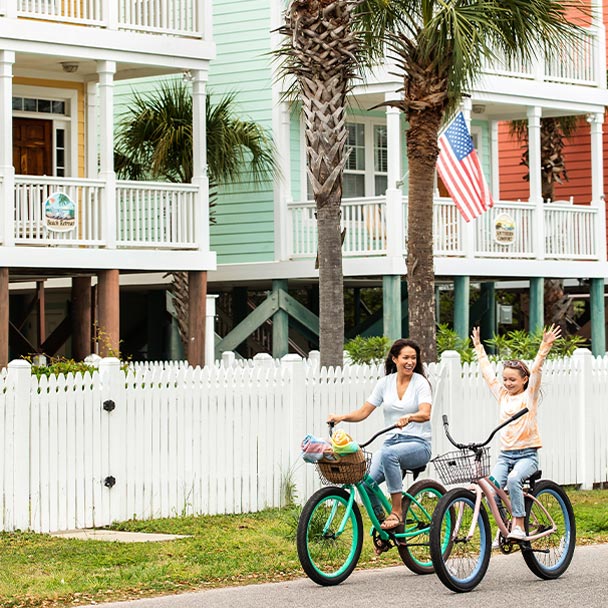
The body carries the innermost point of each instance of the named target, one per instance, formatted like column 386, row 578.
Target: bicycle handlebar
column 362, row 445
column 475, row 446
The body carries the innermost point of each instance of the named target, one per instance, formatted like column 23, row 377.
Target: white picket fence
column 165, row 440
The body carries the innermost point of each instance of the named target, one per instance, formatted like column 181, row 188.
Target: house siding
column 244, row 214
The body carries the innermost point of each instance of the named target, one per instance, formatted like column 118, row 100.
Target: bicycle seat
column 534, row 478
column 414, row 472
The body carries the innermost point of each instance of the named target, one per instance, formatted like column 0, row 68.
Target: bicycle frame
column 360, row 486
column 483, row 487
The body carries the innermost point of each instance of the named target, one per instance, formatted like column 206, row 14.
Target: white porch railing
column 169, row 17
column 148, row 214
column 152, row 214
column 30, row 196
column 363, row 220
column 570, row 230
column 572, row 63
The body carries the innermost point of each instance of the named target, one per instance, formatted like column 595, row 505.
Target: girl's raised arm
column 484, row 364
column 549, row 336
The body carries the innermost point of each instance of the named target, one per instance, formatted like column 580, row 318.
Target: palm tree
column 438, row 46
column 154, row 141
column 553, row 132
column 320, row 52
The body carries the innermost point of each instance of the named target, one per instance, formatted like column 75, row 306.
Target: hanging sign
column 504, row 229
column 59, row 212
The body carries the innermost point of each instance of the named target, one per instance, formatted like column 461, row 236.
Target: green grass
column 37, row 570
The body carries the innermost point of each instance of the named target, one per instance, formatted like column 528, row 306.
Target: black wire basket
column 461, row 466
column 348, row 468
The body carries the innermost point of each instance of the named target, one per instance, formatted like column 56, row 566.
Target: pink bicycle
column 460, row 520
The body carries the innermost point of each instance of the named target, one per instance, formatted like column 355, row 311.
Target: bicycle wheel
column 549, row 557
column 460, row 542
column 329, row 536
column 418, row 506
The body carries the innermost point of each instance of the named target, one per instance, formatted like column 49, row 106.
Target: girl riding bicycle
column 405, row 395
column 520, row 440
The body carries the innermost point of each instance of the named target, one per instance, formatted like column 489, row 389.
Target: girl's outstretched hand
column 552, row 334
column 475, row 336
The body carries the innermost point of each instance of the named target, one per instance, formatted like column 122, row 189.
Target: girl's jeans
column 512, row 469
column 398, row 452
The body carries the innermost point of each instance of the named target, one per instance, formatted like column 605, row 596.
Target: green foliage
column 519, row 344
column 367, row 350
column 448, row 339
column 516, row 344
column 60, row 365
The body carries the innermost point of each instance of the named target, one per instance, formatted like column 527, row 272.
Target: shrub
column 367, row 350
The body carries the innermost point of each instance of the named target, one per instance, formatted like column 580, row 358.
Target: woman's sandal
column 391, row 522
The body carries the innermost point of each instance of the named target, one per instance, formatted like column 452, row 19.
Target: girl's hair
column 520, row 367
column 396, row 348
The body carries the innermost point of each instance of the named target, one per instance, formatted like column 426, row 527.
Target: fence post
column 113, row 469
column 449, row 377
column 583, row 360
column 228, row 359
column 19, row 379
column 296, row 377
column 263, row 360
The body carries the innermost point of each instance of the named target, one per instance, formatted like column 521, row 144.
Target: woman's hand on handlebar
column 334, row 419
column 403, row 421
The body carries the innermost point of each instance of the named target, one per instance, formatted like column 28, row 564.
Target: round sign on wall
column 59, row 212
column 504, row 229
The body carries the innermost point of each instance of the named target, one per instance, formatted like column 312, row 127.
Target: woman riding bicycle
column 520, row 441
column 405, row 395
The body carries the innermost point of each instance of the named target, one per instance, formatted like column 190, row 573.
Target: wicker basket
column 349, row 468
column 461, row 466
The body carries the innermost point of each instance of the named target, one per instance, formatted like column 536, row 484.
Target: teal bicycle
column 330, row 528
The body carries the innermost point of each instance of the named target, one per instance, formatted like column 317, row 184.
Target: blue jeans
column 511, row 469
column 398, row 452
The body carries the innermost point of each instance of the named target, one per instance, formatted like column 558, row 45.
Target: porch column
column 537, row 319
column 92, row 146
column 105, row 72
column 461, row 306
column 280, row 324
column 597, row 181
column 4, row 318
column 197, row 305
column 495, row 156
column 469, row 227
column 283, row 195
column 597, row 304
column 199, row 160
column 41, row 316
column 395, row 233
column 108, row 304
column 7, row 171
column 536, row 197
column 81, row 317
column 391, row 306
column 487, row 326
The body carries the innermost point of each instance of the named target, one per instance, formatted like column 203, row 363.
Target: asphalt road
column 507, row 584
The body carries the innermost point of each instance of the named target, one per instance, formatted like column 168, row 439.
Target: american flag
column 459, row 168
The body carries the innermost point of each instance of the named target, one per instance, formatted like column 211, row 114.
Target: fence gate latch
column 109, row 405
column 109, row 481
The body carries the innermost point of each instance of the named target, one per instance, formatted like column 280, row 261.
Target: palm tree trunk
column 422, row 152
column 331, row 289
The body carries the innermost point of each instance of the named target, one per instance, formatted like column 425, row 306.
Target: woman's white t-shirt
column 417, row 392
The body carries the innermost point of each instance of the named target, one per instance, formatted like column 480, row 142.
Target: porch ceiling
column 52, row 67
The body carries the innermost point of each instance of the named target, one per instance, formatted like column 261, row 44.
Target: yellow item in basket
column 343, row 443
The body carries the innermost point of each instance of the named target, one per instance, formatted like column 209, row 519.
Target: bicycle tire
column 417, row 556
column 550, row 556
column 328, row 559
column 462, row 566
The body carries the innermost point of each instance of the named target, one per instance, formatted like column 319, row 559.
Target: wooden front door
column 32, row 146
